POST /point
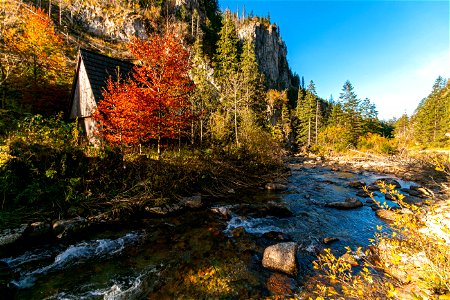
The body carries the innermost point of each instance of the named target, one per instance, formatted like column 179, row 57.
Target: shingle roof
column 100, row 67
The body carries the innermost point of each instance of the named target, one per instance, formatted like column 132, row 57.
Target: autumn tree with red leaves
column 153, row 103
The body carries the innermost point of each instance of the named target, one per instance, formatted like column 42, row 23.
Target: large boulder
column 281, row 257
column 10, row 236
column 347, row 204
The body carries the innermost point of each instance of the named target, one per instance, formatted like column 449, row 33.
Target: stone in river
column 281, row 257
column 388, row 181
column 349, row 203
column 356, row 184
column 329, row 240
column 272, row 186
column 386, row 214
column 362, row 194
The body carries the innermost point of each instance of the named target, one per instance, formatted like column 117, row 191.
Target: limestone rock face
column 103, row 21
column 281, row 257
column 271, row 52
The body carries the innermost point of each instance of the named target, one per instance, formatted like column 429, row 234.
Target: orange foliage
column 153, row 104
column 41, row 72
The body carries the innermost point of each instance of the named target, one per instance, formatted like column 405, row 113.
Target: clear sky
column 391, row 51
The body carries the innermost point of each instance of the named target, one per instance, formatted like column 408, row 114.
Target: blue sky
column 391, row 51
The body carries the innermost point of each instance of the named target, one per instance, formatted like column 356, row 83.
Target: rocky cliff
column 271, row 52
column 107, row 20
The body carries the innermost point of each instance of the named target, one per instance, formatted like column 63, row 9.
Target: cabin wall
column 84, row 105
column 83, row 102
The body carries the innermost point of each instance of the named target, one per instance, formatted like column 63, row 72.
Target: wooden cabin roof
column 100, row 67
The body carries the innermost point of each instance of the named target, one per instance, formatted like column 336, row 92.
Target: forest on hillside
column 216, row 100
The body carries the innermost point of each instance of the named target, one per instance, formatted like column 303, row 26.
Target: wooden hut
column 92, row 73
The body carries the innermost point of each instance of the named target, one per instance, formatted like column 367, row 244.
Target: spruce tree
column 253, row 81
column 204, row 96
column 352, row 113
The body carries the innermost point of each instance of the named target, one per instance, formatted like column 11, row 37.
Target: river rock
column 280, row 284
column 10, row 236
column 277, row 210
column 373, row 187
column 39, row 230
column 66, row 228
column 411, row 192
column 386, row 214
column 350, row 259
column 423, row 191
column 356, row 184
column 193, row 202
column 164, row 210
column 238, row 231
column 276, row 236
column 329, row 240
column 272, row 186
column 362, row 194
column 281, row 257
column 388, row 181
column 223, row 212
column 389, row 196
column 349, row 203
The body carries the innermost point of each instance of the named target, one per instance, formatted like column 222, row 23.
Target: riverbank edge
column 125, row 210
column 435, row 218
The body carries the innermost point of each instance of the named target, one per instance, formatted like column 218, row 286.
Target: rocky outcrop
column 271, row 52
column 107, row 20
column 281, row 257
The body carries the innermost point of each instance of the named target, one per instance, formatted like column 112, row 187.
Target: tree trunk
column 309, row 131
column 235, row 118
column 317, row 118
column 159, row 147
column 59, row 13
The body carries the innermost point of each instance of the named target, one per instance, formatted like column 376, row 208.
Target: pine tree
column 227, row 72
column 204, row 97
column 253, row 85
column 352, row 113
column 227, row 56
column 306, row 116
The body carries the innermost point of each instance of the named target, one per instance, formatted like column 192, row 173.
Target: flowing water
column 198, row 255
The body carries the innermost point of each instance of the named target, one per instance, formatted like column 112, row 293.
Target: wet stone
column 386, row 214
column 362, row 194
column 272, row 186
column 276, row 236
column 280, row 284
column 329, row 240
column 10, row 236
column 391, row 197
column 349, row 203
column 223, row 212
column 388, row 181
column 281, row 257
column 356, row 184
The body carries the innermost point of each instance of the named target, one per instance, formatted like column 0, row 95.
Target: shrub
column 376, row 143
column 408, row 254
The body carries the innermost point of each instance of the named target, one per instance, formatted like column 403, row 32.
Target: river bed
column 200, row 255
